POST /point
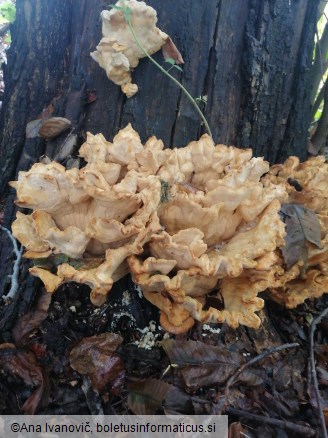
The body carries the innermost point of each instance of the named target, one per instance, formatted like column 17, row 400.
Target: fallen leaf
column 178, row 402
column 95, row 356
column 201, row 364
column 53, row 261
column 288, row 373
column 248, row 377
column 31, row 404
column 170, row 51
column 302, row 225
column 38, row 349
column 184, row 353
column 147, row 396
column 24, row 364
column 237, row 430
column 32, row 320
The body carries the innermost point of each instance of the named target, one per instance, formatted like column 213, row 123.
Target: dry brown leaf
column 32, row 320
column 95, row 356
column 201, row 364
column 187, row 353
column 147, row 396
column 237, row 430
column 178, row 402
column 170, row 50
column 302, row 225
column 24, row 365
column 249, row 378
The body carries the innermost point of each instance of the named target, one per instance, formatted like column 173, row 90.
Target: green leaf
column 170, row 61
column 86, row 264
column 42, row 263
column 8, row 11
column 318, row 114
column 177, row 67
column 8, row 38
column 51, row 261
column 58, row 259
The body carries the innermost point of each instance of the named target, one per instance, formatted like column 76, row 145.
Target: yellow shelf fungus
column 184, row 222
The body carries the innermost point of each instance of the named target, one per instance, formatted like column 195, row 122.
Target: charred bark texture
column 251, row 58
column 275, row 110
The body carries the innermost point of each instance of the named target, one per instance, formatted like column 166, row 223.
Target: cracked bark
column 250, row 57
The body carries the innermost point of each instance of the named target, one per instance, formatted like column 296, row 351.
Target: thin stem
column 232, row 379
column 282, row 424
column 192, row 100
column 14, row 276
column 314, row 324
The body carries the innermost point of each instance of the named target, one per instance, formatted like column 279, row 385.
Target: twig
column 288, row 425
column 261, row 356
column 14, row 276
column 316, row 321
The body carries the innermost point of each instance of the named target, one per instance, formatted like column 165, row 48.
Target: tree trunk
column 251, row 58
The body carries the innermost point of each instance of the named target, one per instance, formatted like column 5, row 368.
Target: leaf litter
column 62, row 342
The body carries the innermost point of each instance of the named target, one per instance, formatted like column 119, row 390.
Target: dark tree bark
column 252, row 59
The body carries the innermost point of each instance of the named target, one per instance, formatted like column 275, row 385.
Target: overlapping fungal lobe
column 117, row 52
column 306, row 184
column 221, row 228
column 185, row 223
column 186, row 272
column 103, row 212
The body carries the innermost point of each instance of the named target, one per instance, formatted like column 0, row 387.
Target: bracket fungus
column 306, row 184
column 186, row 223
column 117, row 52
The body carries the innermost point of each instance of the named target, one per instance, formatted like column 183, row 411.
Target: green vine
column 127, row 15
